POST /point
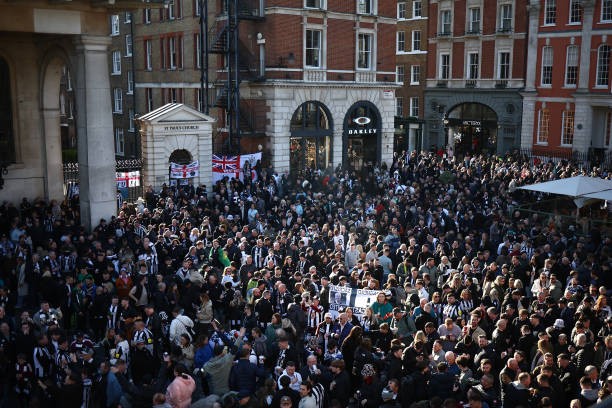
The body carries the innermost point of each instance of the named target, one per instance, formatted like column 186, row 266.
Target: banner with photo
column 359, row 300
column 234, row 166
column 183, row 171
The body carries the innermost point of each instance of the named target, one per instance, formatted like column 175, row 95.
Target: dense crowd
column 221, row 298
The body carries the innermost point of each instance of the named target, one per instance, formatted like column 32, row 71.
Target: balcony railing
column 504, row 30
column 472, row 32
column 315, row 75
column 442, row 84
column 470, row 83
column 444, row 34
column 365, row 77
column 501, row 83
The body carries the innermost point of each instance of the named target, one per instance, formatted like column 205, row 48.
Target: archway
column 471, row 128
column 52, row 104
column 361, row 139
column 180, row 156
column 311, row 131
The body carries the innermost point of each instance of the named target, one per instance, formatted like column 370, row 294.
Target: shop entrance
column 472, row 128
column 362, row 130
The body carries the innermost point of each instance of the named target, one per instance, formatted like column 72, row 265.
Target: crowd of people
column 221, row 298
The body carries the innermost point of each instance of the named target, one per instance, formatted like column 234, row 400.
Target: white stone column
column 583, row 124
column 528, row 120
column 533, row 10
column 585, row 45
column 96, row 148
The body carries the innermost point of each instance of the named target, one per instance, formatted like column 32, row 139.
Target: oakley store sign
column 362, row 129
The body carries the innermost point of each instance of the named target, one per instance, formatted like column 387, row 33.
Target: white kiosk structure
column 175, row 133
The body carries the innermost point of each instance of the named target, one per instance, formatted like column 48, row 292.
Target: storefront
column 472, row 127
column 311, row 133
column 474, row 121
column 361, row 136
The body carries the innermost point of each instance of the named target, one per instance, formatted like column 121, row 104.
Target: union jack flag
column 225, row 164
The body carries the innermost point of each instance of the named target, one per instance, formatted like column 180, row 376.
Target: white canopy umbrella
column 582, row 189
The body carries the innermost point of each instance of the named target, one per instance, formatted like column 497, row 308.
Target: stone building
column 316, row 78
column 475, row 72
column 568, row 108
column 40, row 42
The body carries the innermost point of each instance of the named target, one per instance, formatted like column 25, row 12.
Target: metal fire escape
column 239, row 64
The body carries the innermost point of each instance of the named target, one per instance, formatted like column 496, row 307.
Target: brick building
column 568, row 108
column 411, row 55
column 121, row 70
column 315, row 79
column 475, row 70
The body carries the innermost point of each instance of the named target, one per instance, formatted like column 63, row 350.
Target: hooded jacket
column 178, row 394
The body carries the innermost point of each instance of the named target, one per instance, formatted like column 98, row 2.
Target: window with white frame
column 444, row 70
column 603, row 66
column 575, row 16
column 505, row 18
column 415, row 74
column 149, row 99
column 128, row 17
column 401, row 10
column 399, row 106
column 503, row 65
column 114, row 20
column 400, row 41
column 148, row 48
column 119, row 142
column 550, row 12
column 606, row 10
column 318, row 4
column 399, row 74
column 199, row 100
column 116, row 62
column 146, row 16
column 474, row 22
column 417, row 9
column 567, row 135
column 171, row 10
column 473, row 65
column 366, row 6
column 131, row 116
column 364, row 50
column 416, row 40
column 172, row 52
column 128, row 45
column 547, row 65
column 197, row 58
column 130, row 82
column 414, row 106
column 313, row 48
column 543, row 126
column 445, row 22
column 117, row 100
column 571, row 66
column 196, row 8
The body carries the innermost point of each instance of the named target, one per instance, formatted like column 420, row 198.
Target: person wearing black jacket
column 340, row 387
column 441, row 383
column 285, row 390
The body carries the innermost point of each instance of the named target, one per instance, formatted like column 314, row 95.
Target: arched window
column 311, row 130
column 603, row 65
column 180, row 156
column 7, row 136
